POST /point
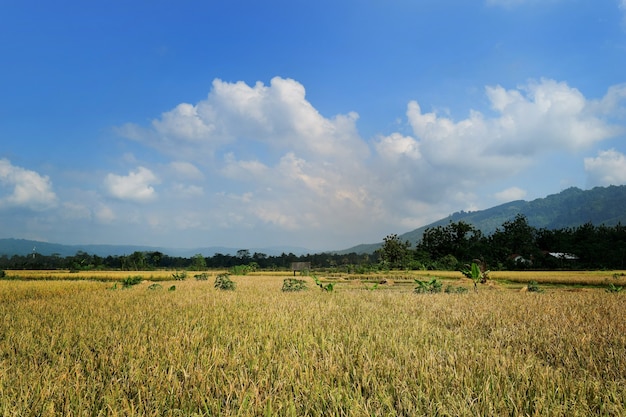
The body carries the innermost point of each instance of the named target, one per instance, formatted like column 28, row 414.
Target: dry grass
column 77, row 348
column 55, row 275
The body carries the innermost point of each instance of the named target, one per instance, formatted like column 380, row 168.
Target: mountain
column 23, row 247
column 570, row 208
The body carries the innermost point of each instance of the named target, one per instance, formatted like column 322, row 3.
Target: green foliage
column 131, row 281
column 459, row 239
column 155, row 287
column 2, row 273
column 223, row 282
column 180, row 276
column 533, row 286
column 201, row 277
column 329, row 287
column 476, row 272
column 172, row 288
column 198, row 263
column 239, row 270
column 292, row 284
column 373, row 287
column 428, row 287
column 446, row 263
column 450, row 289
column 244, row 269
column 395, row 254
column 612, row 288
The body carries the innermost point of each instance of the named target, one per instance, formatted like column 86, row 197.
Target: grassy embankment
column 78, row 348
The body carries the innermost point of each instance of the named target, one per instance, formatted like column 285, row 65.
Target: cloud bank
column 263, row 159
column 263, row 155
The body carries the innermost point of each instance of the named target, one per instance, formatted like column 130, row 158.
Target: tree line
column 515, row 245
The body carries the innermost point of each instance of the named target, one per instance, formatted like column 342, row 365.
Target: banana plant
column 476, row 273
column 325, row 287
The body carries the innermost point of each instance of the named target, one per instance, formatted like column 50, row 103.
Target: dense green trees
column 515, row 245
column 395, row 254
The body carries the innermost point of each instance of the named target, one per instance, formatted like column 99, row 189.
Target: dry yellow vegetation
column 79, row 348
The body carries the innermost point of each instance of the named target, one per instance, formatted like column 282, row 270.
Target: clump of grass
column 292, row 285
column 223, row 282
column 428, row 287
column 612, row 288
column 2, row 273
column 172, row 288
column 155, row 287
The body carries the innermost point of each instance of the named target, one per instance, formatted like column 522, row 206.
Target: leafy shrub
column 201, row 277
column 131, row 281
column 427, row 287
column 243, row 269
column 614, row 288
column 533, row 286
column 455, row 290
column 223, row 282
column 292, row 284
column 172, row 288
column 180, row 276
column 155, row 287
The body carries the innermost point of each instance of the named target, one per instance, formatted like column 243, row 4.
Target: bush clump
column 2, row 274
column 131, row 281
column 292, row 284
column 223, row 282
column 180, row 276
column 455, row 290
column 428, row 287
column 533, row 286
column 201, row 277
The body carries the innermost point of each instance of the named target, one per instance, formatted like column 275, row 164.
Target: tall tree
column 395, row 254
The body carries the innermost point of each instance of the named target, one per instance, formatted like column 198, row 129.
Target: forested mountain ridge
column 571, row 207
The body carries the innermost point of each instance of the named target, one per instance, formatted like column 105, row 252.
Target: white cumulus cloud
column 608, row 168
column 261, row 156
column 27, row 188
column 278, row 116
column 136, row 186
column 534, row 119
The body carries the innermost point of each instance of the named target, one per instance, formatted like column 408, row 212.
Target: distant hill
column 570, row 208
column 23, row 247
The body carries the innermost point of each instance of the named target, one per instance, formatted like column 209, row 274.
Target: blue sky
column 315, row 124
